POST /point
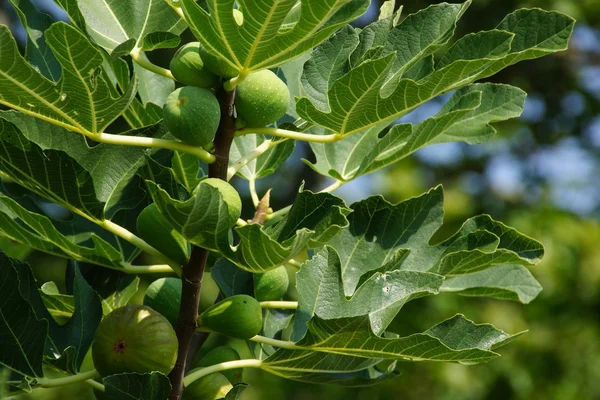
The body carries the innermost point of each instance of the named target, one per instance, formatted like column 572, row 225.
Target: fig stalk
column 194, row 270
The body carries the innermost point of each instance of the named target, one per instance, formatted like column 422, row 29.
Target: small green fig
column 210, row 387
column 261, row 99
column 218, row 65
column 153, row 227
column 188, row 68
column 192, row 115
column 219, row 355
column 238, row 316
column 271, row 285
column 134, row 338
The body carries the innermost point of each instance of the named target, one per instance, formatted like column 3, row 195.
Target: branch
column 194, row 270
column 307, row 137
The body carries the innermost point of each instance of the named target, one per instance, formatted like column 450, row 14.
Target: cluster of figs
column 192, row 112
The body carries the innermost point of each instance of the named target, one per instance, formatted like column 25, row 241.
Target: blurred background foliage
column 541, row 174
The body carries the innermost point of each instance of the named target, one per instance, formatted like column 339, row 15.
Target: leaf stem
column 146, row 269
column 253, row 155
column 248, row 363
column 68, row 380
column 140, row 141
column 307, row 137
column 234, row 82
column 136, row 55
column 253, row 194
column 137, row 241
column 96, row 385
column 284, row 344
column 283, row 305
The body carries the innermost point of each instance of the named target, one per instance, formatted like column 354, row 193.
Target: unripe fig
column 153, row 227
column 261, row 99
column 134, row 338
column 209, row 387
column 192, row 115
column 271, row 285
column 217, row 65
column 230, row 196
column 238, row 316
column 164, row 296
column 188, row 68
column 220, row 355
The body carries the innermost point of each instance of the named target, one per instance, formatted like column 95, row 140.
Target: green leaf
column 40, row 233
column 60, row 306
column 152, row 88
column 231, row 279
column 37, row 52
column 22, row 333
column 80, row 101
column 143, row 24
column 264, row 165
column 372, row 93
column 312, row 221
column 186, row 169
column 347, row 344
column 274, row 321
column 506, row 282
column 127, row 288
column 265, row 39
column 150, row 386
column 380, row 296
column 75, row 337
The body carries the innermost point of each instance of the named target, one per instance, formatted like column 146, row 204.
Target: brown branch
column 194, row 270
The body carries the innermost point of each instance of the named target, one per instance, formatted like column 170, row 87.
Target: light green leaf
column 80, row 101
column 506, row 282
column 264, row 165
column 265, row 39
column 186, row 169
column 152, row 88
column 111, row 23
column 60, row 306
column 339, row 345
column 366, row 96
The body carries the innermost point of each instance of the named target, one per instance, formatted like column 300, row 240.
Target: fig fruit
column 188, row 68
column 164, row 296
column 218, row 65
column 219, row 355
column 209, row 387
column 271, row 285
column 192, row 115
column 134, row 338
column 153, row 227
column 230, row 196
column 261, row 99
column 238, row 316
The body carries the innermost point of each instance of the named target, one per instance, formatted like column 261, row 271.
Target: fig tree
column 192, row 115
column 261, row 99
column 153, row 227
column 188, row 68
column 230, row 196
column 209, row 387
column 238, row 316
column 134, row 338
column 219, row 355
column 271, row 285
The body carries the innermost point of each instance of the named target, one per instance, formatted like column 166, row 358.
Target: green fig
column 192, row 115
column 238, row 316
column 261, row 99
column 271, row 285
column 188, row 68
column 230, row 196
column 210, row 387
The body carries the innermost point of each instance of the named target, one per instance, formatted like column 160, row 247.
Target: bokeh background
column 541, row 174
